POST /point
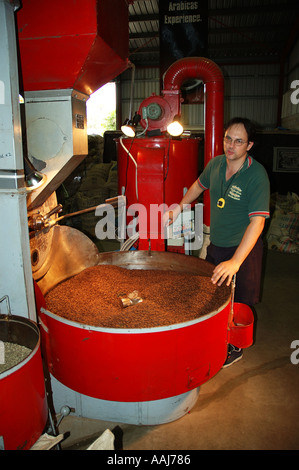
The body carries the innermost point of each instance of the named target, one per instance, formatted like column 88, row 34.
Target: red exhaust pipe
column 167, row 106
column 211, row 75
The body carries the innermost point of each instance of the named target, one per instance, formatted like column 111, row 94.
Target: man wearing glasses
column 239, row 204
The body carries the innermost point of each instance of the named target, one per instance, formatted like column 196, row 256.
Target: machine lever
column 38, row 222
column 55, row 210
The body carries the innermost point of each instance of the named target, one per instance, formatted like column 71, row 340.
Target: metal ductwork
column 211, row 75
column 158, row 111
column 67, row 51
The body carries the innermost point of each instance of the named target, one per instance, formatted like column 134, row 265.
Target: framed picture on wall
column 286, row 159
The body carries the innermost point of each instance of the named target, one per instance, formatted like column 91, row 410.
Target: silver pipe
column 132, row 91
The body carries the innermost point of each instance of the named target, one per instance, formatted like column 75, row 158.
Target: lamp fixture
column 129, row 126
column 175, row 128
column 33, row 178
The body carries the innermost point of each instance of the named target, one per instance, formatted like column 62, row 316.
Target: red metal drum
column 137, row 365
column 156, row 171
column 176, row 159
column 23, row 403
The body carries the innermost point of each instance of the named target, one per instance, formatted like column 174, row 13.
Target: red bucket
column 241, row 328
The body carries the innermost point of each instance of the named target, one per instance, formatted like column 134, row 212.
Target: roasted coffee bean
column 168, row 297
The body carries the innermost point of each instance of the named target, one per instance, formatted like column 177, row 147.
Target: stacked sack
column 90, row 184
column 94, row 190
column 283, row 231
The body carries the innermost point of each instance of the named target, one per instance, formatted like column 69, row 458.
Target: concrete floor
column 252, row 405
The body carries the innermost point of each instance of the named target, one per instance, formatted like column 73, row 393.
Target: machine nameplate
column 79, row 121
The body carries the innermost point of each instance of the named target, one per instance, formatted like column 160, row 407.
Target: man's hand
column 225, row 271
column 170, row 216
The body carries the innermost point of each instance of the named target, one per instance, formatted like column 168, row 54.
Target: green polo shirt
column 246, row 195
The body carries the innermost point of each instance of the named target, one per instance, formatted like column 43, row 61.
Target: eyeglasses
column 236, row 142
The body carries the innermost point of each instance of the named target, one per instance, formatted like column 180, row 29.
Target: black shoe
column 233, row 355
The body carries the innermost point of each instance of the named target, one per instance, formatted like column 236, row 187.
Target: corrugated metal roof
column 239, row 31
